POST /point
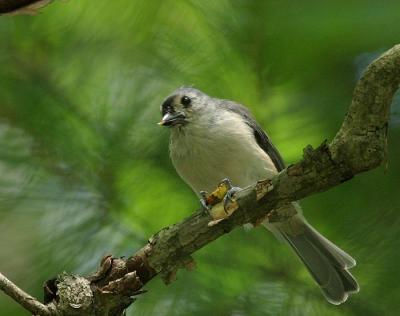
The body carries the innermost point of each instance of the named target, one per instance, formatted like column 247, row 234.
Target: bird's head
column 184, row 106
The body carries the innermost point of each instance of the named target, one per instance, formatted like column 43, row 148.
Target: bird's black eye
column 185, row 101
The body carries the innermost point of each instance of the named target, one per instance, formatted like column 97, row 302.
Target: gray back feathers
column 261, row 137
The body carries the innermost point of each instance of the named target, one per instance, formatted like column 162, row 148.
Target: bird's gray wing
column 261, row 137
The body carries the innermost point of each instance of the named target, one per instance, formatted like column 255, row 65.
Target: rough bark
column 360, row 145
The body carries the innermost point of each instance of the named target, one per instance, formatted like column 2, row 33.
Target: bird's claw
column 227, row 182
column 203, row 202
column 229, row 198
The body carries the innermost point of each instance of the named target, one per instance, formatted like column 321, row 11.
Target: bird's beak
column 171, row 119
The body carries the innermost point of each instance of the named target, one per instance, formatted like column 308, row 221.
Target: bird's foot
column 220, row 204
column 229, row 196
column 204, row 202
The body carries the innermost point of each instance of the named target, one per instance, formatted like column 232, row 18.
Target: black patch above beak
column 167, row 105
column 173, row 118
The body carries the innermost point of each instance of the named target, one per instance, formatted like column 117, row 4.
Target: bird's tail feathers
column 326, row 262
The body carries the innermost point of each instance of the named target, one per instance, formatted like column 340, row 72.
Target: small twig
column 24, row 299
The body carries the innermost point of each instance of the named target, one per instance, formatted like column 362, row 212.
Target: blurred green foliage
column 85, row 169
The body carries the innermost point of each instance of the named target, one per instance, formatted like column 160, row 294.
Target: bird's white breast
column 211, row 149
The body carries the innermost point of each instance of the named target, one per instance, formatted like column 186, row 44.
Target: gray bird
column 213, row 139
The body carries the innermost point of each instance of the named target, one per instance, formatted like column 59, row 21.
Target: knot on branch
column 111, row 289
column 74, row 293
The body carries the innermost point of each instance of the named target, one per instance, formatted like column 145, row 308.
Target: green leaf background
column 85, row 169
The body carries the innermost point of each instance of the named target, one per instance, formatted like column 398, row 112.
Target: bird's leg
column 203, row 202
column 231, row 190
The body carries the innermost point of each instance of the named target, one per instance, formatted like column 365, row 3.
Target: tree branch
column 360, row 145
column 25, row 300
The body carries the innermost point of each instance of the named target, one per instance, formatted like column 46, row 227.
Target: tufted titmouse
column 213, row 139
